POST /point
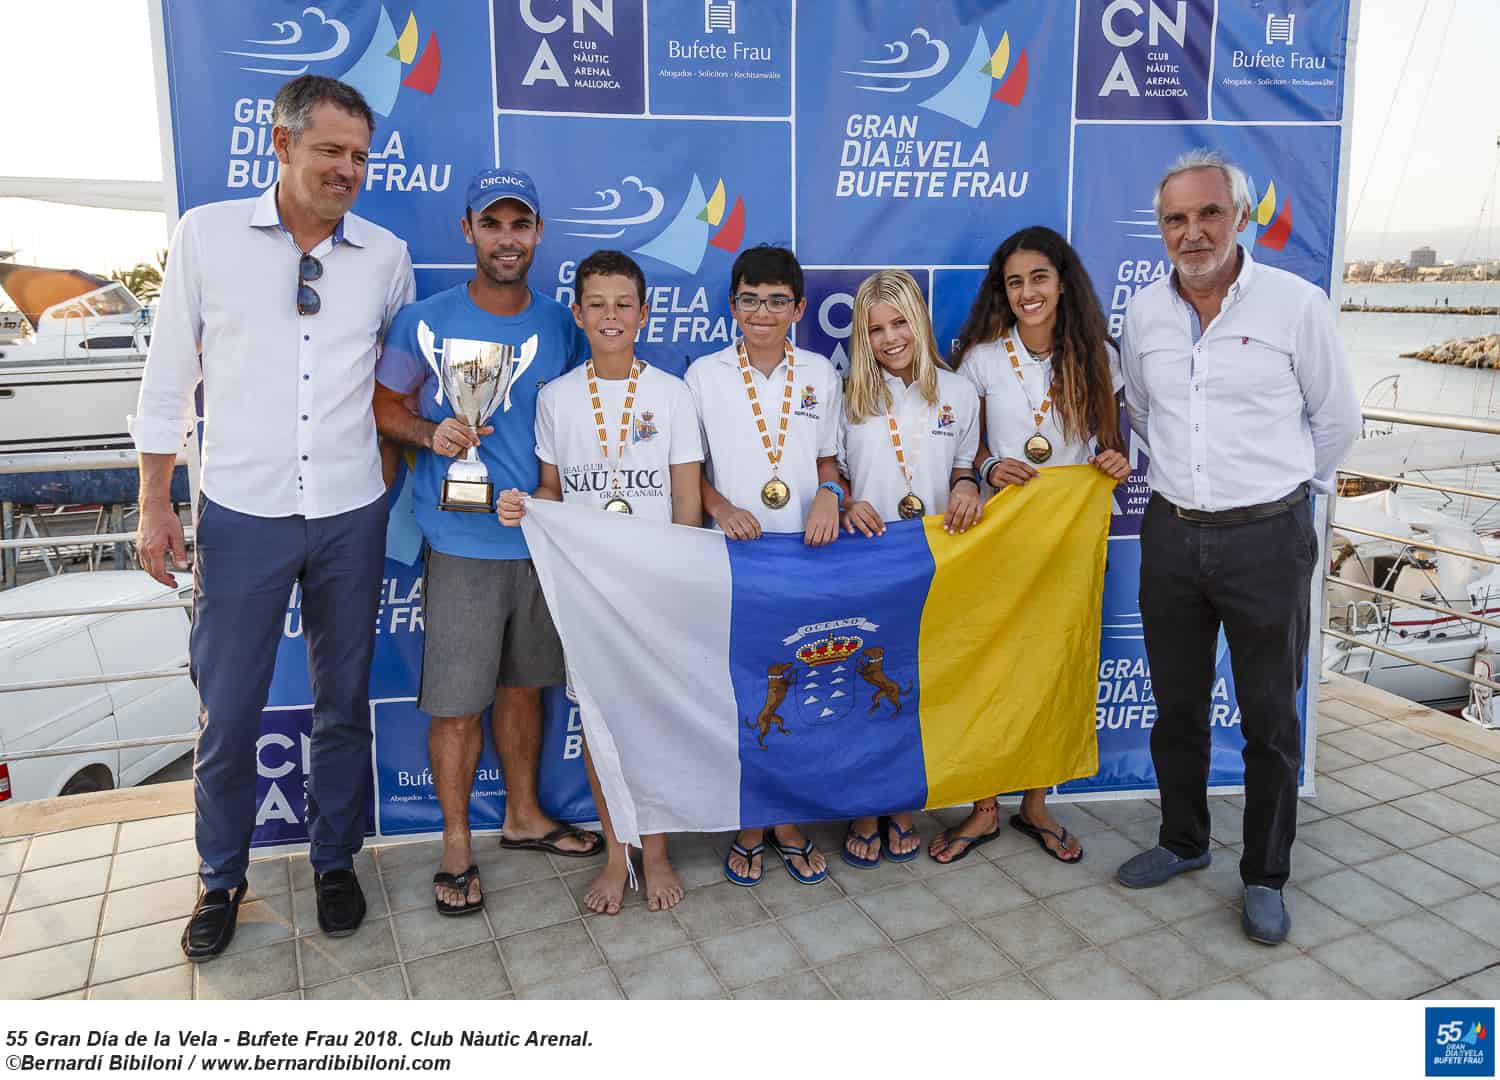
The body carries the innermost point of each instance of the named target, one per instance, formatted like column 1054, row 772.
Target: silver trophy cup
column 476, row 376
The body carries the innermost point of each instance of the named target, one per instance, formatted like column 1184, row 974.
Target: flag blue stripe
column 845, row 738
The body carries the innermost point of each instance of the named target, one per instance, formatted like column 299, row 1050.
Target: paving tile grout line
column 1457, row 979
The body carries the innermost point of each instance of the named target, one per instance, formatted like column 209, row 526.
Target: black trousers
column 1253, row 579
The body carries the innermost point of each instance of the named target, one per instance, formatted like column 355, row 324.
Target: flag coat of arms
column 730, row 684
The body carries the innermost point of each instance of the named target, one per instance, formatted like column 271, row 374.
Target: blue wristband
column 838, row 492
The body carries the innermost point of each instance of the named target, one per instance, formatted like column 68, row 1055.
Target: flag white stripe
column 634, row 650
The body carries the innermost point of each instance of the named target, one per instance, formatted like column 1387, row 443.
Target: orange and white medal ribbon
column 618, row 504
column 774, row 492
column 1038, row 448
column 911, row 504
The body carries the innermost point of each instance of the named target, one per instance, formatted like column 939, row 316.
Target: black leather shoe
column 210, row 928
column 341, row 902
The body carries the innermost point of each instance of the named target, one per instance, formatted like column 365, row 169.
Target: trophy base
column 468, row 496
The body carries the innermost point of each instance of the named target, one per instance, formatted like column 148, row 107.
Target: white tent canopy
column 146, row 195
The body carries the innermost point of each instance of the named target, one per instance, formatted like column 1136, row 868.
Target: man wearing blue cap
column 489, row 636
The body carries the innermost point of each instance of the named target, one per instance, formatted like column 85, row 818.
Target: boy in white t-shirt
column 770, row 416
column 620, row 436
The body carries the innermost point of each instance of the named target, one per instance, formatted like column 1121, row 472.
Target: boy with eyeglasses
column 770, row 416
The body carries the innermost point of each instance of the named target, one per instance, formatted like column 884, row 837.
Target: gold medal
column 775, row 494
column 616, row 505
column 911, row 505
column 1038, row 448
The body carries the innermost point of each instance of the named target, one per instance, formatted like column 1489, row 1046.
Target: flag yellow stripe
column 1009, row 646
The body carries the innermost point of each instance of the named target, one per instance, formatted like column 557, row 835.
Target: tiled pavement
column 1396, row 894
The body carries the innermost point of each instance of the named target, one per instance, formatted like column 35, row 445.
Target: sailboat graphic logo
column 986, row 75
column 701, row 222
column 378, row 71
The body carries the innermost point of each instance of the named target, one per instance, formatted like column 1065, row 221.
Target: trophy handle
column 427, row 343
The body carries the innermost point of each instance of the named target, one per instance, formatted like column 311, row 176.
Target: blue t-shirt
column 509, row 452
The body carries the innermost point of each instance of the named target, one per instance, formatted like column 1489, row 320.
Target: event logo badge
column 1144, row 59
column 936, row 131
column 570, row 56
column 699, row 223
column 1460, row 1042
column 946, row 418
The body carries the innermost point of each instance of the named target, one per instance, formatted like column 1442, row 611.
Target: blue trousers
column 243, row 574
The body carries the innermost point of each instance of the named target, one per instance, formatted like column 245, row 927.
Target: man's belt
column 1240, row 515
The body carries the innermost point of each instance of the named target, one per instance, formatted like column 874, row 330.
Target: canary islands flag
column 727, row 684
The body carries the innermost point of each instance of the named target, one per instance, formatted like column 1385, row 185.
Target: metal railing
column 1377, row 634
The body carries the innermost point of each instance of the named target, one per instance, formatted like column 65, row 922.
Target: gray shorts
column 487, row 626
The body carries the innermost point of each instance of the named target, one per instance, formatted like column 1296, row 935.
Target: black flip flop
column 459, row 883
column 1040, row 835
column 548, row 843
column 969, row 842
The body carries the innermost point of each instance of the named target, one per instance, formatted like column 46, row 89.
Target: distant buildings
column 1422, row 266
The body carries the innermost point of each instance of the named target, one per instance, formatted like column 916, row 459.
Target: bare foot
column 607, row 892
column 896, row 842
column 663, row 887
column 861, row 848
column 738, row 864
column 1035, row 813
column 951, row 843
column 791, row 836
column 457, row 857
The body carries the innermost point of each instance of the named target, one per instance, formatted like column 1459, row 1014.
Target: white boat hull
column 55, row 407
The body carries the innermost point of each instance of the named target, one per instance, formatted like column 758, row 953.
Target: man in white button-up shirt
column 276, row 304
column 1235, row 377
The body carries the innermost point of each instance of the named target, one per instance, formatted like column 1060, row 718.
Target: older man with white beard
column 1235, row 377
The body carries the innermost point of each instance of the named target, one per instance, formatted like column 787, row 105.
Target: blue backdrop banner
column 865, row 133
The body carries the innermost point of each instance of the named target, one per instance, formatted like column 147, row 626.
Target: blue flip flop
column 891, row 856
column 854, row 860
column 737, row 849
column 789, row 852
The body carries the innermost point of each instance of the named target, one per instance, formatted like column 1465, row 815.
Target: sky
column 1423, row 165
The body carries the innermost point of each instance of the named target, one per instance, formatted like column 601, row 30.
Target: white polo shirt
column 1010, row 411
column 287, row 424
column 663, row 433
column 736, row 456
column 935, row 439
column 1245, row 409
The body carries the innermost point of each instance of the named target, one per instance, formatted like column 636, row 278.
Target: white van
column 36, row 650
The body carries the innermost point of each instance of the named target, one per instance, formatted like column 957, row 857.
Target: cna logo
column 388, row 62
column 700, row 223
column 1269, row 226
column 987, row 75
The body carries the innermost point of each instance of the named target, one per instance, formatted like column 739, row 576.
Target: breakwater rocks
column 1479, row 352
column 1414, row 309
